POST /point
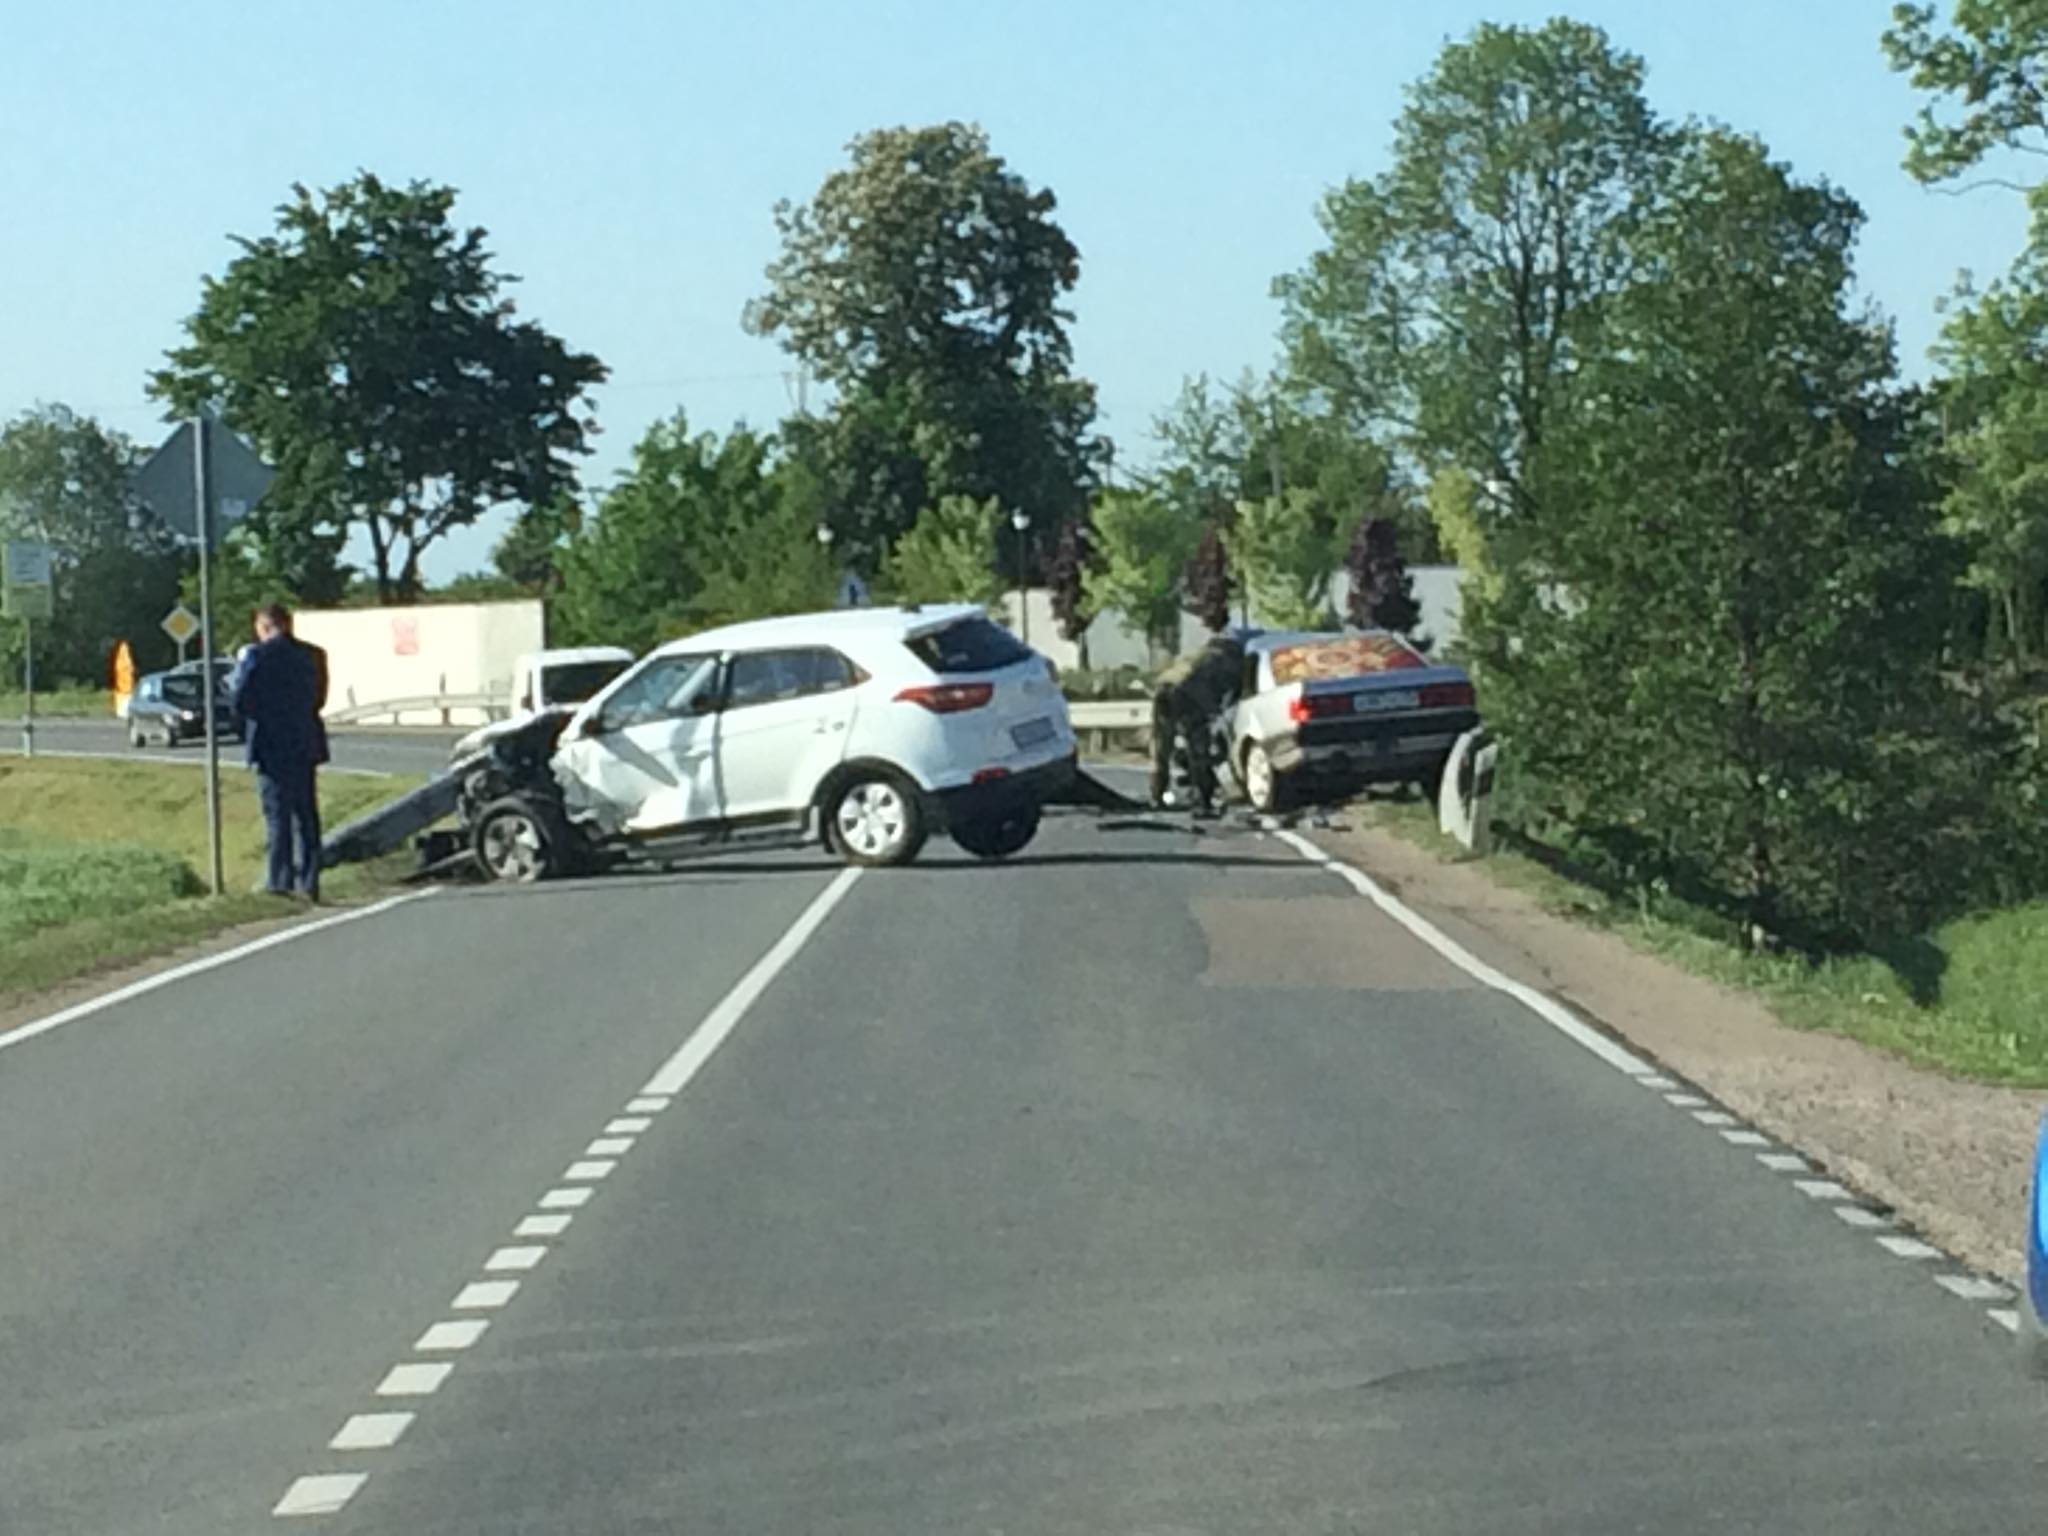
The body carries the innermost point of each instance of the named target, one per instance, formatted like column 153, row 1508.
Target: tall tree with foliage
column 1285, row 558
column 1382, row 594
column 1143, row 543
column 925, row 284
column 529, row 554
column 1066, row 583
column 1990, row 64
column 64, row 481
column 367, row 347
column 1733, row 684
column 949, row 554
column 1446, row 304
column 1207, row 579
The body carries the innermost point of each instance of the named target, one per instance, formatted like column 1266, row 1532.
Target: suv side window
column 671, row 687
column 766, row 677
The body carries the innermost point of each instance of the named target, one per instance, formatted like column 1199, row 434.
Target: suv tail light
column 1447, row 696
column 948, row 698
column 1318, row 706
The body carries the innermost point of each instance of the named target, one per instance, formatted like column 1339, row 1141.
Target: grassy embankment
column 105, row 862
column 66, row 703
column 1972, row 1000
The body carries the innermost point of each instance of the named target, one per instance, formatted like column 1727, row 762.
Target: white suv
column 866, row 728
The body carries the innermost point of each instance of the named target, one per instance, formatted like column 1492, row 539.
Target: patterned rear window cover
column 1343, row 656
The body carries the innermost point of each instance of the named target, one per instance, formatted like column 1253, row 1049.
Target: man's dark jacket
column 279, row 690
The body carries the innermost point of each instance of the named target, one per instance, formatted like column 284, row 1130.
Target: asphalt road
column 1153, row 1184
column 365, row 751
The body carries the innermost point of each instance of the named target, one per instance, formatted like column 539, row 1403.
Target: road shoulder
column 1952, row 1157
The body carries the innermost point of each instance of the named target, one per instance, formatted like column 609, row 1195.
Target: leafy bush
column 46, row 885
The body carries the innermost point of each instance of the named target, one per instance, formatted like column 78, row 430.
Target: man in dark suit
column 279, row 689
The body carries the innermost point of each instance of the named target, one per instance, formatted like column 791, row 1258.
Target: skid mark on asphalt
column 327, row 1493
column 1947, row 1271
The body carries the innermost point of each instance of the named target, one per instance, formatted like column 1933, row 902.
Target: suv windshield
column 972, row 645
column 573, row 682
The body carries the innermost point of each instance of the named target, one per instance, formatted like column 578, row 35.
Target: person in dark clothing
column 278, row 691
column 1189, row 697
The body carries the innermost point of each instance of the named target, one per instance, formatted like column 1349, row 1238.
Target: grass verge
column 1969, row 1002
column 103, row 863
column 59, row 704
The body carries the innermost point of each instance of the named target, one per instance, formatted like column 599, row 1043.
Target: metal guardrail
column 443, row 704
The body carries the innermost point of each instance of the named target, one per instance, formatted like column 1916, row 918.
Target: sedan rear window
column 972, row 645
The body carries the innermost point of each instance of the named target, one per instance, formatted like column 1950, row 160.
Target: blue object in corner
column 2037, row 1228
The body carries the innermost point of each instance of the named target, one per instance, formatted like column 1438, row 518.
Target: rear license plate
column 1383, row 700
column 1032, row 733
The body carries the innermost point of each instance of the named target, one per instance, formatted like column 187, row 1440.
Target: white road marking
column 1909, row 1248
column 524, row 1257
column 484, row 1295
column 628, row 1125
column 414, row 1379
column 1745, row 1139
column 1856, row 1216
column 1714, row 1117
column 1685, row 1101
column 370, row 1432
column 22, row 1033
column 566, row 1199
column 646, row 1106
column 1821, row 1189
column 324, row 1494
column 609, row 1146
column 1657, row 1081
column 457, row 1334
column 543, row 1226
column 1970, row 1288
column 1551, row 1012
column 2006, row 1318
column 592, row 1168
column 1783, row 1162
column 708, row 1036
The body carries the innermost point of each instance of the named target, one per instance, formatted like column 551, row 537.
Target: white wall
column 1113, row 643
column 374, row 654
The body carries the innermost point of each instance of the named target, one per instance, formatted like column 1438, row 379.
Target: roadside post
column 1464, row 800
column 201, row 482
column 27, row 593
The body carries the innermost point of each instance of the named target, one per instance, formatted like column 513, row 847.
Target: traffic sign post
column 27, row 593
column 201, row 482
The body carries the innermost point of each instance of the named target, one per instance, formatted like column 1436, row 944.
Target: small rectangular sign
column 26, row 584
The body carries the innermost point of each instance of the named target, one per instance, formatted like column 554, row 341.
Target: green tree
column 1382, row 594
column 1732, row 682
column 529, row 555
column 1143, row 542
column 1285, row 558
column 64, row 481
column 775, row 563
column 1445, row 305
column 1072, row 555
column 949, row 554
column 1206, row 584
column 925, row 283
column 1991, row 64
column 369, row 351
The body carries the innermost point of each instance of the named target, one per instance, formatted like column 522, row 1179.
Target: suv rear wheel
column 876, row 818
column 997, row 837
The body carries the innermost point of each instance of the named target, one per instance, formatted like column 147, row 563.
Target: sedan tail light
column 1318, row 706
column 948, row 698
column 1447, row 696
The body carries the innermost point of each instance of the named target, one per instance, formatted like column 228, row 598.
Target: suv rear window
column 971, row 645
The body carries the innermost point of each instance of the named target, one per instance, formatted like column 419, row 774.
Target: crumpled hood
column 484, row 735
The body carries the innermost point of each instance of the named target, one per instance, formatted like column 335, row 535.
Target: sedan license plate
column 1032, row 733
column 1384, row 700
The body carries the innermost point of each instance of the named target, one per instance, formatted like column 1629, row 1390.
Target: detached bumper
column 1003, row 795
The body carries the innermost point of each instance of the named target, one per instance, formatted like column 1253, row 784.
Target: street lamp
column 825, row 534
column 1021, row 521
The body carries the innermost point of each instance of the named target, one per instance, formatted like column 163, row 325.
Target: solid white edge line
column 23, row 1033
column 1551, row 1012
column 708, row 1036
column 324, row 1493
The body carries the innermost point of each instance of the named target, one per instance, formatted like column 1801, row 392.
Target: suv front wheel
column 876, row 818
column 518, row 841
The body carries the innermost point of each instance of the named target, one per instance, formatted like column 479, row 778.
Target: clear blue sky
column 625, row 158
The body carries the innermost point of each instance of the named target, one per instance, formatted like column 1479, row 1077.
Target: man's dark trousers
column 291, row 818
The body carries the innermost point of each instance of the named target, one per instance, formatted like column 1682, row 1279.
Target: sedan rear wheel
column 1263, row 784
column 876, row 819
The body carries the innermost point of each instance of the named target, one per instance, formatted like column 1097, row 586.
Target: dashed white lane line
column 1658, row 1081
column 1783, row 1162
column 628, row 1125
column 1856, row 1216
column 324, row 1494
column 610, row 1146
column 1821, row 1189
column 371, row 1432
column 1909, row 1248
column 484, row 1295
column 518, row 1257
column 2006, row 1318
column 553, row 1225
column 1746, row 1138
column 415, row 1378
column 1970, row 1288
column 566, row 1199
column 1714, row 1117
column 1685, row 1101
column 589, row 1168
column 652, row 1105
column 458, row 1333
column 23, row 1033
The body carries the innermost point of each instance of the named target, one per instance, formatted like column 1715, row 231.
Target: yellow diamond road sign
column 180, row 624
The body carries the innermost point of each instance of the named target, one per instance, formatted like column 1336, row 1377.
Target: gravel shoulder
column 1953, row 1158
